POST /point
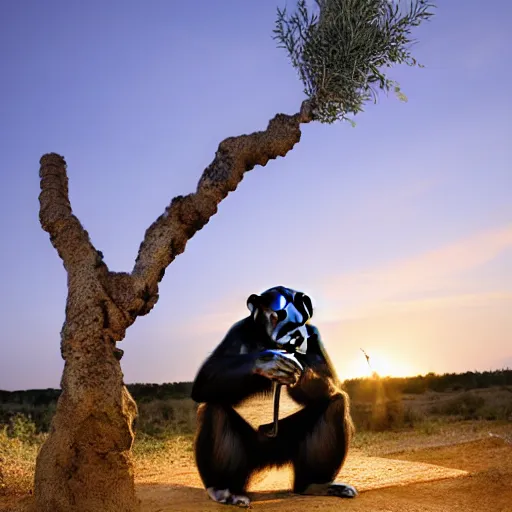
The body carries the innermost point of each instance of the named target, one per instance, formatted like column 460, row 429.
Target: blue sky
column 400, row 228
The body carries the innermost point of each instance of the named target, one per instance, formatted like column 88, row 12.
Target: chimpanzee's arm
column 319, row 381
column 228, row 376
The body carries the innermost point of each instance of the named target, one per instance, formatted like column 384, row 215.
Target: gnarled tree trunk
column 85, row 465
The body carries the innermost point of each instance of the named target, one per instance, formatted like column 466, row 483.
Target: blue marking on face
column 278, row 302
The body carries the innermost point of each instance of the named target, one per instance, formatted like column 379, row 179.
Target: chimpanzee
column 255, row 353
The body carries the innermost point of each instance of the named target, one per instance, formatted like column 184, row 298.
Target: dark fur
column 315, row 439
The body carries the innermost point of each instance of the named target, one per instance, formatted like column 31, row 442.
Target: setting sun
column 386, row 365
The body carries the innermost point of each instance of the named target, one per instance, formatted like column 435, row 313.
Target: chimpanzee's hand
column 279, row 366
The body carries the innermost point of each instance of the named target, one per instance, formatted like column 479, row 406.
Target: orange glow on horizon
column 386, row 365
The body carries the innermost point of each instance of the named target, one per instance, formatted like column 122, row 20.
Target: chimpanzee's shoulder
column 242, row 337
column 244, row 328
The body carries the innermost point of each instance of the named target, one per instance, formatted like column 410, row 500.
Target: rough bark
column 85, row 465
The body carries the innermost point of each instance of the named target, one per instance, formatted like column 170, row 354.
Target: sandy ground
column 468, row 476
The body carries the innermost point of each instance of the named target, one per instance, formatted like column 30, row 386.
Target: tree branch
column 66, row 233
column 169, row 234
column 106, row 298
column 135, row 294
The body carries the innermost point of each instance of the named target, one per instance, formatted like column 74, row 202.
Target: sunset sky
column 400, row 229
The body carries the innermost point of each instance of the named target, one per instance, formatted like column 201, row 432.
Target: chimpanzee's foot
column 342, row 490
column 224, row 496
column 334, row 489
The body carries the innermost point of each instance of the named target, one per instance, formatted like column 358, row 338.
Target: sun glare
column 385, row 365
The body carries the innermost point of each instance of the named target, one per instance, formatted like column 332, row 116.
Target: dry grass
column 165, row 430
column 166, row 418
column 18, row 458
column 435, row 434
column 17, row 463
column 152, row 454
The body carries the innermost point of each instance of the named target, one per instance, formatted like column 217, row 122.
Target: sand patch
column 181, row 489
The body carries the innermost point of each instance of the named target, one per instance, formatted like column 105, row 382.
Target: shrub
column 466, row 406
column 23, row 428
column 161, row 418
column 17, row 462
column 386, row 415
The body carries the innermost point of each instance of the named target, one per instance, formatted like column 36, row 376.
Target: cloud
column 426, row 276
column 434, row 280
column 445, row 302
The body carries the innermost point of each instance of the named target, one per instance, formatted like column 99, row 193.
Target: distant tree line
column 39, row 404
column 404, row 385
column 363, row 389
column 141, row 393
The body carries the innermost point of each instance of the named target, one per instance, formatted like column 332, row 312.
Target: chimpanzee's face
column 266, row 317
column 280, row 310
